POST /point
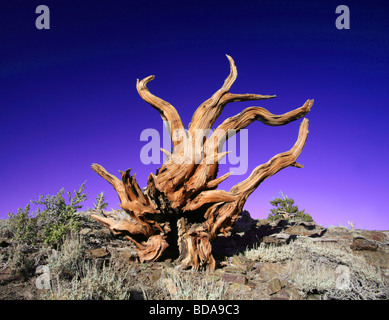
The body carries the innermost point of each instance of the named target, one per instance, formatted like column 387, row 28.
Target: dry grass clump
column 93, row 284
column 74, row 278
column 69, row 259
column 187, row 285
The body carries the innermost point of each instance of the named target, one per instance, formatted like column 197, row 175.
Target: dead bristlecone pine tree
column 181, row 212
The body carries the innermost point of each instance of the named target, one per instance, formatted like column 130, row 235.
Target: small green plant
column 100, row 203
column 23, row 226
column 57, row 219
column 285, row 209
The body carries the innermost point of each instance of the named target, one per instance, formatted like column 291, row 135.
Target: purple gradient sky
column 68, row 96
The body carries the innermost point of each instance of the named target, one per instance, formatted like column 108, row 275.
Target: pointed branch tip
column 297, row 165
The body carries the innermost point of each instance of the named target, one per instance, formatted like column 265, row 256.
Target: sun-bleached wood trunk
column 181, row 212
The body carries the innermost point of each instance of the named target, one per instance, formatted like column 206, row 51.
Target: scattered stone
column 240, row 290
column 97, row 253
column 277, row 239
column 274, row 286
column 303, row 230
column 127, row 253
column 7, row 276
column 85, row 231
column 155, row 275
column 236, row 278
column 232, row 269
column 293, row 293
column 281, row 295
column 269, row 271
column 102, row 233
column 373, row 235
column 242, row 263
column 363, row 244
column 279, row 298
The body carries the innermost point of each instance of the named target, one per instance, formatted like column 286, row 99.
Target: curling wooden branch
column 181, row 211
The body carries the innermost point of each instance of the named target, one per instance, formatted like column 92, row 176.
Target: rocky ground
column 282, row 260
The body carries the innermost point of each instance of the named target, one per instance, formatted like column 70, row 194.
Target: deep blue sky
column 68, row 97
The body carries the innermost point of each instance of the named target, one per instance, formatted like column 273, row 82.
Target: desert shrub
column 187, row 286
column 67, row 261
column 57, row 218
column 92, row 283
column 315, row 267
column 5, row 229
column 72, row 277
column 23, row 226
column 285, row 208
column 270, row 253
column 19, row 261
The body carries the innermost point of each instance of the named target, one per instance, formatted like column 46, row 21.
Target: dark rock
column 262, row 222
column 244, row 223
column 363, row 244
column 280, row 223
column 373, row 235
column 235, row 278
column 303, row 230
column 7, row 276
column 277, row 239
column 4, row 242
column 284, row 297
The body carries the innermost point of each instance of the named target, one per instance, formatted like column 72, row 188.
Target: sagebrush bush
column 92, row 283
column 187, row 286
column 23, row 226
column 73, row 277
column 67, row 261
column 20, row 262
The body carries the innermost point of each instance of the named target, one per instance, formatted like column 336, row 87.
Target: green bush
column 285, row 209
column 52, row 223
column 23, row 226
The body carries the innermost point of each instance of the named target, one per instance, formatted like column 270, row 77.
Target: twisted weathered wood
column 181, row 211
